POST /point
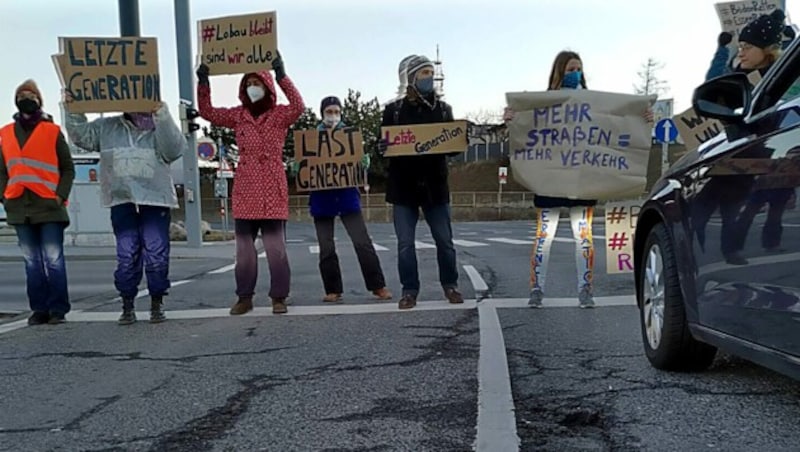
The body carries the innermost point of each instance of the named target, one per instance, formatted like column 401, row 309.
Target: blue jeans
column 46, row 272
column 142, row 234
column 405, row 224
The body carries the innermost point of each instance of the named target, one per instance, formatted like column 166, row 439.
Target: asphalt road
column 362, row 376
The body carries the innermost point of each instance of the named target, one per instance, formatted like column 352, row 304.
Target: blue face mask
column 571, row 80
column 424, row 85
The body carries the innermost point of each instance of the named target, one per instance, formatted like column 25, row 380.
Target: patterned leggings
column 546, row 227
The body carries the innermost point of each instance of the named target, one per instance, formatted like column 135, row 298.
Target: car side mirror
column 726, row 98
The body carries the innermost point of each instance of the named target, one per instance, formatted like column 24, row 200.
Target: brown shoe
column 382, row 294
column 407, row 302
column 243, row 306
column 332, row 298
column 453, row 296
column 279, row 306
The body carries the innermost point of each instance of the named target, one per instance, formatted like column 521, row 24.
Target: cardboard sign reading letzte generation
column 109, row 74
column 238, row 44
column 424, row 139
column 328, row 160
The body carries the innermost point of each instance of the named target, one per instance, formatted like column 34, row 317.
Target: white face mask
column 255, row 93
column 331, row 120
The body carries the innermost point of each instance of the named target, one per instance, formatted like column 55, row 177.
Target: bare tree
column 649, row 82
column 484, row 116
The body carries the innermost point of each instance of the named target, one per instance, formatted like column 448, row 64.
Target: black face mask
column 27, row 106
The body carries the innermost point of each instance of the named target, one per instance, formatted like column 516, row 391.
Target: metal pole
column 183, row 40
column 128, row 17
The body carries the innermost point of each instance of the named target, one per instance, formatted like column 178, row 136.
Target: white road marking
column 468, row 243
column 340, row 309
column 314, row 249
column 497, row 425
column 230, row 267
column 511, row 241
column 475, row 278
column 569, row 240
column 12, row 326
column 423, row 246
column 563, row 302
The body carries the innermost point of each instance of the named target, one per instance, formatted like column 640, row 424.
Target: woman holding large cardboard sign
column 260, row 189
column 566, row 73
column 345, row 203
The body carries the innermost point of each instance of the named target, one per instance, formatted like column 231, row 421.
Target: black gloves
column 724, row 39
column 202, row 75
column 277, row 66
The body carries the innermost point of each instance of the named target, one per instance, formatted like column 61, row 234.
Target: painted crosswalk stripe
column 469, row 243
column 314, row 249
column 423, row 246
column 510, row 241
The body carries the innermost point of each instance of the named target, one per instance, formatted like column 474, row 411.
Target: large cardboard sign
column 733, row 16
column 621, row 218
column 238, row 44
column 109, row 74
column 425, row 139
column 329, row 159
column 695, row 129
column 580, row 144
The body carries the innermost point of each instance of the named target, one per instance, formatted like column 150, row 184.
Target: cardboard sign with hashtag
column 238, row 44
column 621, row 218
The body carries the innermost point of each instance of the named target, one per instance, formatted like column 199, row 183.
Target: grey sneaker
column 585, row 298
column 535, row 300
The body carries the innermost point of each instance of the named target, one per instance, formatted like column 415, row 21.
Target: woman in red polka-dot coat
column 260, row 190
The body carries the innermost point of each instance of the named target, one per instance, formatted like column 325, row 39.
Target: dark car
column 717, row 243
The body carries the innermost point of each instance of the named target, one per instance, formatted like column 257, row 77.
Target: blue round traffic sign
column 206, row 150
column 666, row 132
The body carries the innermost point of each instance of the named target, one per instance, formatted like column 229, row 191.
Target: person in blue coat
column 345, row 203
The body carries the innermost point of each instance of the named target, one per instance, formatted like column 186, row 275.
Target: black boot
column 156, row 314
column 128, row 316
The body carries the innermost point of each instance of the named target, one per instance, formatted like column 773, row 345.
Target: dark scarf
column 28, row 122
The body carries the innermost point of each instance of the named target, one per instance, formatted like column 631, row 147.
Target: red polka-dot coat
column 260, row 188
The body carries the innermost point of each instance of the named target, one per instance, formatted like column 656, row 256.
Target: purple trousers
column 273, row 235
column 142, row 234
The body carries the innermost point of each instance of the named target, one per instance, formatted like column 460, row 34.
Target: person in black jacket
column 420, row 182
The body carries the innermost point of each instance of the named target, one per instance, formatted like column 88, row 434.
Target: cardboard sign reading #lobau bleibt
column 328, row 160
column 425, row 139
column 238, row 44
column 109, row 74
column 580, row 144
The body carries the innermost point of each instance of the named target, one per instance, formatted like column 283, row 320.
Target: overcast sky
column 488, row 48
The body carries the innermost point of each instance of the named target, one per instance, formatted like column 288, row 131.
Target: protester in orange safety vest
column 36, row 174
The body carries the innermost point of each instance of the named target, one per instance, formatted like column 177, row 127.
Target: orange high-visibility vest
column 35, row 165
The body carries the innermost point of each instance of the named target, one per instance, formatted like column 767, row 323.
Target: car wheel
column 668, row 343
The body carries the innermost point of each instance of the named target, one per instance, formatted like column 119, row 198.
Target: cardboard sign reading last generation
column 109, row 74
column 425, row 139
column 329, row 160
column 238, row 44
